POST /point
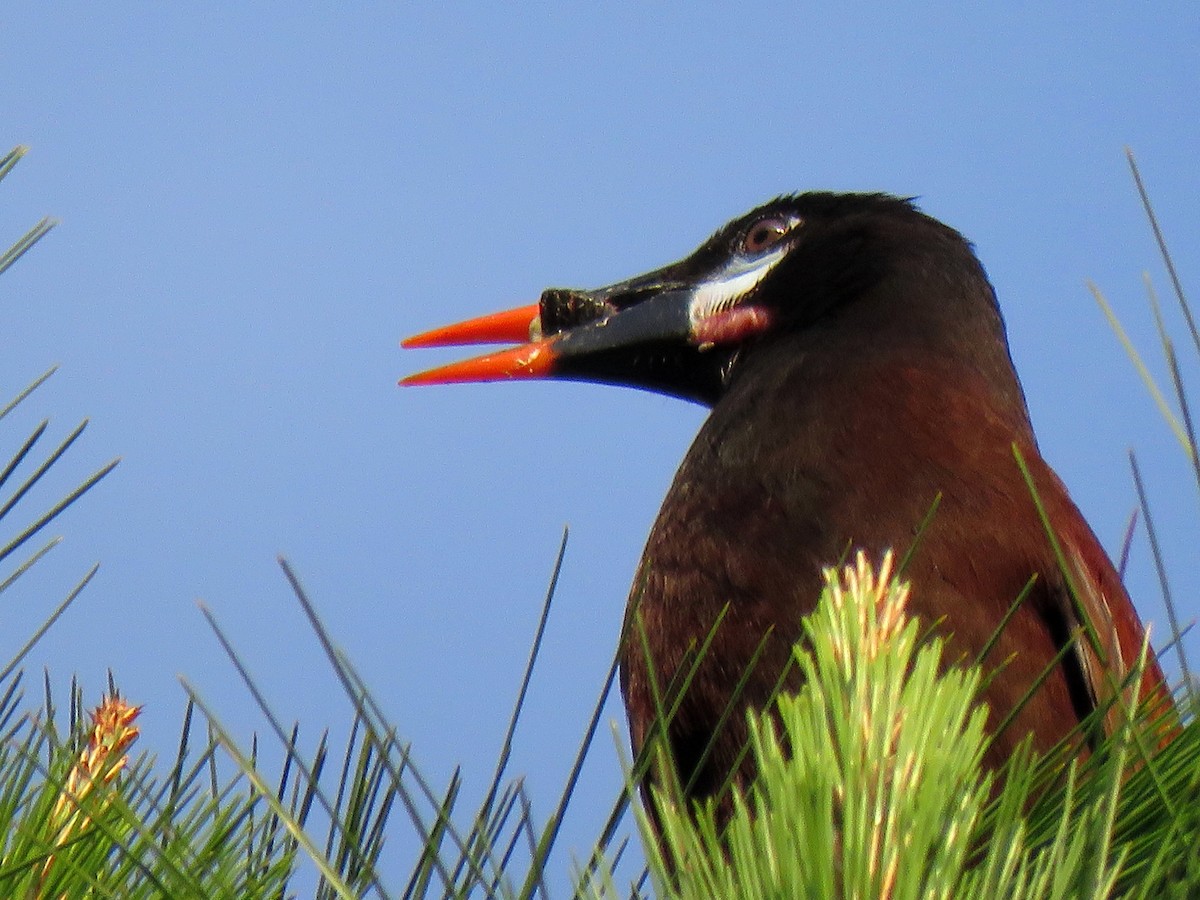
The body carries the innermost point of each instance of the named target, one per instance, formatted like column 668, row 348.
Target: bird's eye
column 767, row 232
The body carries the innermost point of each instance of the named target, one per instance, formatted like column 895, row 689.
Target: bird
column 862, row 397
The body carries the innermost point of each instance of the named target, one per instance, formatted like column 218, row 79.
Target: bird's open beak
column 512, row 326
column 552, row 349
column 609, row 334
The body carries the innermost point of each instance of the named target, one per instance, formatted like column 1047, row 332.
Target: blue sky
column 257, row 205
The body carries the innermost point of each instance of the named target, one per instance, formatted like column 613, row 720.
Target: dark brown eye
column 766, row 233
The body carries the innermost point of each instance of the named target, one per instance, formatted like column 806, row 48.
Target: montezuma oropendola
column 855, row 359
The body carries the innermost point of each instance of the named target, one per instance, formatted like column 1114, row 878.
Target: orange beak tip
column 533, row 360
column 510, row 326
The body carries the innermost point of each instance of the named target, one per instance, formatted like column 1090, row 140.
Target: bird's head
column 867, row 266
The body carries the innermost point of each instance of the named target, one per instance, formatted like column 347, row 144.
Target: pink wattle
column 731, row 326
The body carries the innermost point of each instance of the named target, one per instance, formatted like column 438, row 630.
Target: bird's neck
column 865, row 411
column 848, row 450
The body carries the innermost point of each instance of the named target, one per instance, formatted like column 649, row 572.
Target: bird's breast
column 786, row 477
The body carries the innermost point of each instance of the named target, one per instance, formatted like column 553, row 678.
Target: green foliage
column 69, row 831
column 34, row 234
